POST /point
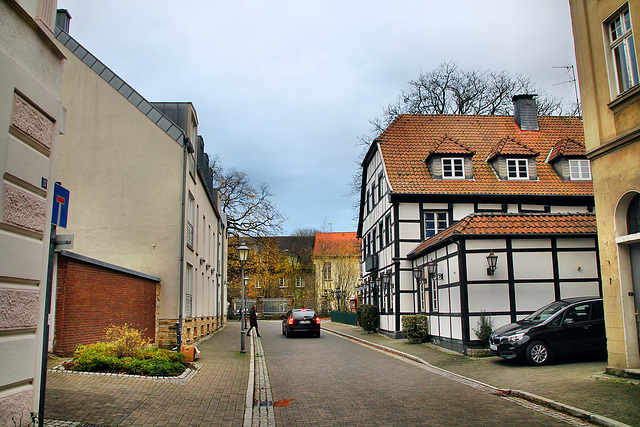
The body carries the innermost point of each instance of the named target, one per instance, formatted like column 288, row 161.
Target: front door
column 634, row 254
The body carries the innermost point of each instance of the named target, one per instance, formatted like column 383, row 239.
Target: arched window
column 633, row 216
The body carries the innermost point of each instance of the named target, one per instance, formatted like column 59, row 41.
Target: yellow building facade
column 606, row 54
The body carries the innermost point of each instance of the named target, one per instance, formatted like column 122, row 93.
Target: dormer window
column 452, row 168
column 517, row 168
column 580, row 170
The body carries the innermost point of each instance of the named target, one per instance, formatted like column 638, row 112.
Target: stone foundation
column 193, row 329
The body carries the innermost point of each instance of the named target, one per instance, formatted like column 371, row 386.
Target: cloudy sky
column 283, row 89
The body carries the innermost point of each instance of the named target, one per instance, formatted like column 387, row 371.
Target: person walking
column 253, row 321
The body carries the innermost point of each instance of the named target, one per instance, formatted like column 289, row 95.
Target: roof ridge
column 141, row 103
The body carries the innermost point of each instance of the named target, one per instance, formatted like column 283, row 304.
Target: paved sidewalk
column 216, row 395
column 582, row 384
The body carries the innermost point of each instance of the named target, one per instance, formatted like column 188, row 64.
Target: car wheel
column 317, row 334
column 538, row 353
column 287, row 333
column 283, row 330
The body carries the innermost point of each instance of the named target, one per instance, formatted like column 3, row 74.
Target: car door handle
column 586, row 326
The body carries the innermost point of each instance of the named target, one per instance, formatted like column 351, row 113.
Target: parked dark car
column 564, row 328
column 301, row 320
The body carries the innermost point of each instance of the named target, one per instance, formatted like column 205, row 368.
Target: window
column 368, row 201
column 283, row 282
column 517, row 168
column 580, row 169
column 258, row 285
column 453, row 168
column 374, row 241
column 373, row 194
column 387, row 229
column 190, row 220
column 299, row 282
column 434, row 295
column 623, row 51
column 434, row 223
column 381, row 233
column 380, row 186
column 327, row 271
column 188, row 292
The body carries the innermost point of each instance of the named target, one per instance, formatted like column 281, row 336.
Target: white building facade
column 424, row 174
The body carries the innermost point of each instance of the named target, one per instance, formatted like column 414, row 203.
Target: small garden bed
column 127, row 352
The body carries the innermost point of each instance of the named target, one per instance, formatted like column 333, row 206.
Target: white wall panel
column 499, row 321
column 532, row 296
column 407, row 303
column 576, row 243
column 443, row 300
column 488, row 244
column 461, row 210
column 445, row 326
column 530, row 243
column 456, row 328
column 477, row 267
column 532, row 265
column 575, row 265
column 408, row 211
column 585, row 289
column 456, row 305
column 488, row 297
column 407, row 282
column 409, row 230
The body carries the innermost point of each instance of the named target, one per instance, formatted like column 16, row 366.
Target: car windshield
column 545, row 312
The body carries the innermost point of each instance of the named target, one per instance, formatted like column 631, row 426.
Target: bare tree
column 449, row 90
column 250, row 210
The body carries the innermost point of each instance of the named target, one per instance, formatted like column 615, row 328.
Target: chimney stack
column 63, row 18
column 525, row 112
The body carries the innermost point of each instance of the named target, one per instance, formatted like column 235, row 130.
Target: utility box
column 189, row 351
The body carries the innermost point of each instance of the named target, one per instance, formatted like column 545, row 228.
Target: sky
column 284, row 89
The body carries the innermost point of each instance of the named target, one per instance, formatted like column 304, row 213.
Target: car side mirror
column 568, row 321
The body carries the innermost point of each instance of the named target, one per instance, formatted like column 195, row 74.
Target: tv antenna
column 573, row 81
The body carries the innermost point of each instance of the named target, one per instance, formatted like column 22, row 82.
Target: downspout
column 187, row 149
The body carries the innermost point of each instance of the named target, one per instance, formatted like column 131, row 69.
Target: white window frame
column 283, row 282
column 621, row 55
column 452, row 162
column 327, row 271
column 299, row 282
column 258, row 285
column 580, row 170
column 438, row 217
column 518, row 164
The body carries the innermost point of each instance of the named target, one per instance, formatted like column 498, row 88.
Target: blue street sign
column 60, row 206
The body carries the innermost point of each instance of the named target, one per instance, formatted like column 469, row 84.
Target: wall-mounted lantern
column 492, row 261
column 432, row 268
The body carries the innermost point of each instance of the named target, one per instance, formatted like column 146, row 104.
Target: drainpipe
column 188, row 149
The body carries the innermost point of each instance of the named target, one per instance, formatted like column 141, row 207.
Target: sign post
column 59, row 215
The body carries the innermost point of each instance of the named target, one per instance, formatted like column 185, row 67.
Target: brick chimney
column 63, row 18
column 525, row 112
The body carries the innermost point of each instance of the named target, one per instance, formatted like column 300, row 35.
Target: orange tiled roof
column 336, row 244
column 566, row 147
column 407, row 142
column 446, row 145
column 514, row 223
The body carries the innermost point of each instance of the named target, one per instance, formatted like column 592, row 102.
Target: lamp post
column 243, row 254
column 338, row 294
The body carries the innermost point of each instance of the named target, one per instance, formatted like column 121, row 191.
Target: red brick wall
column 90, row 298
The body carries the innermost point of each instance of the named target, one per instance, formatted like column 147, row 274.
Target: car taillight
column 290, row 321
column 317, row 320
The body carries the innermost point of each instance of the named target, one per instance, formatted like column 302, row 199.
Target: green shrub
column 415, row 328
column 128, row 353
column 367, row 317
column 485, row 328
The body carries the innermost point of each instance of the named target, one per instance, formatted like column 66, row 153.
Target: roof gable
column 567, row 147
column 447, row 145
column 508, row 146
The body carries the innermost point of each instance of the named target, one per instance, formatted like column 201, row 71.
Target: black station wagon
column 301, row 320
column 564, row 328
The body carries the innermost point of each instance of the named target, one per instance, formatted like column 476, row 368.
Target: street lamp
column 243, row 255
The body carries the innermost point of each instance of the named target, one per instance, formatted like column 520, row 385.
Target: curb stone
column 560, row 407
